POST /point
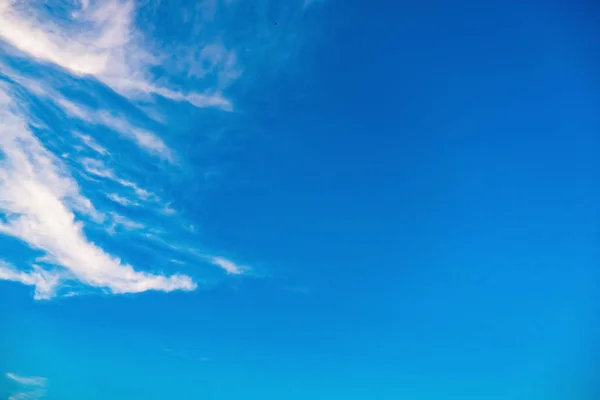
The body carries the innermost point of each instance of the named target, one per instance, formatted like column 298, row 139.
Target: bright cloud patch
column 99, row 40
column 64, row 190
column 39, row 200
column 229, row 266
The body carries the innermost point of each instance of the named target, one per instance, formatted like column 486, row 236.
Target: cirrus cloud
column 38, row 198
column 33, row 387
column 42, row 202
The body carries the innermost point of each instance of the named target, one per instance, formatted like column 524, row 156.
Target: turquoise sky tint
column 233, row 199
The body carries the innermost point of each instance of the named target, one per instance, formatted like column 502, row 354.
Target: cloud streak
column 100, row 40
column 38, row 198
column 27, row 380
column 148, row 141
column 35, row 387
column 228, row 266
column 44, row 282
column 41, row 202
column 97, row 168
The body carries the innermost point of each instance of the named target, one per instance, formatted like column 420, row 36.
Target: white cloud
column 45, row 282
column 41, row 204
column 121, row 200
column 43, row 41
column 68, row 106
column 141, row 193
column 229, row 266
column 31, row 395
column 5, row 99
column 91, row 143
column 216, row 59
column 38, row 198
column 27, row 380
column 100, row 41
column 146, row 140
column 97, row 168
column 36, row 387
column 125, row 222
column 168, row 210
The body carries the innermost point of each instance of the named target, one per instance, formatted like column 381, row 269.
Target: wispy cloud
column 44, row 282
column 229, row 266
column 116, row 122
column 27, row 380
column 97, row 168
column 91, row 143
column 121, row 200
column 215, row 59
column 31, row 395
column 38, row 197
column 34, row 387
column 119, row 220
column 99, row 40
column 146, row 140
column 41, row 201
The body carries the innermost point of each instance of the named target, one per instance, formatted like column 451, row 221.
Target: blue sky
column 231, row 199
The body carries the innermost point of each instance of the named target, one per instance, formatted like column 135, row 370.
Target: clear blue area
column 415, row 185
